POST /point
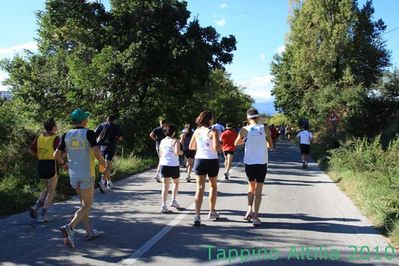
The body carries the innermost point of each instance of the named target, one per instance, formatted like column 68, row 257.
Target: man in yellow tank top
column 43, row 148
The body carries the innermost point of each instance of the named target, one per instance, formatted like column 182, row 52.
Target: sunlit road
column 307, row 220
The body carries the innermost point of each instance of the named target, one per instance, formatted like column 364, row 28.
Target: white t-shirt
column 304, row 137
column 255, row 145
column 167, row 150
column 204, row 145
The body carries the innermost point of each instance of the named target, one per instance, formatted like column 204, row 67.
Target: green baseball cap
column 78, row 115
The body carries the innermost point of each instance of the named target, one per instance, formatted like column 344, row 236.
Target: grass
column 18, row 191
column 370, row 176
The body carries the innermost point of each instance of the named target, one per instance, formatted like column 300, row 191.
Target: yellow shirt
column 45, row 147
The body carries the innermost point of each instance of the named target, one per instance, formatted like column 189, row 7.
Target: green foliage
column 140, row 60
column 334, row 56
column 20, row 190
column 279, row 119
column 371, row 176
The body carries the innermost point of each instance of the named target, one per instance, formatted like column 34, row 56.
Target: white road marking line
column 150, row 243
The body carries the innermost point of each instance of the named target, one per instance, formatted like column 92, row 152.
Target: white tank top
column 255, row 145
column 167, row 150
column 204, row 145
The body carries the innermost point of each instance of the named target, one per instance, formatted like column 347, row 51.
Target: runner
column 169, row 151
column 206, row 142
column 219, row 127
column 305, row 138
column 274, row 135
column 157, row 134
column 227, row 138
column 108, row 133
column 255, row 136
column 288, row 132
column 43, row 148
column 81, row 147
column 185, row 139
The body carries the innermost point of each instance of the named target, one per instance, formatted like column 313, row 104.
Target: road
column 307, row 220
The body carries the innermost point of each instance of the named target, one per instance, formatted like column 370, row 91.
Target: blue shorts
column 208, row 167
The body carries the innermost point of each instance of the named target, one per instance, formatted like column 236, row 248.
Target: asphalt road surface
column 306, row 219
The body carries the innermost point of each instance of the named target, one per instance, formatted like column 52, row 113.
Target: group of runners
column 77, row 149
column 200, row 148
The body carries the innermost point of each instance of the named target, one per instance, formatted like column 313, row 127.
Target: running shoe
column 164, row 209
column 44, row 218
column 157, row 178
column 33, row 212
column 226, row 176
column 68, row 233
column 174, row 204
column 92, row 234
column 256, row 221
column 248, row 216
column 213, row 216
column 102, row 186
column 188, row 178
column 197, row 220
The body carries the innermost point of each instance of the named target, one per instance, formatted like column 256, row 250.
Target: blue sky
column 260, row 27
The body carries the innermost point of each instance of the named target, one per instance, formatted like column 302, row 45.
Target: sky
column 260, row 27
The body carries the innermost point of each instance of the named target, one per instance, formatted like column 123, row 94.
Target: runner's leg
column 199, row 194
column 82, row 214
column 213, row 193
column 251, row 195
column 165, row 189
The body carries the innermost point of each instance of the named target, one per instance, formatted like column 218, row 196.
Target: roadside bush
column 370, row 176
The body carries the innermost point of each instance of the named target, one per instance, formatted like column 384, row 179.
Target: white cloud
column 280, row 49
column 3, row 76
column 258, row 88
column 262, row 57
column 10, row 52
column 224, row 5
column 220, row 22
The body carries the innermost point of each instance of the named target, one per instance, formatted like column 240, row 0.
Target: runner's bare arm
column 268, row 137
column 32, row 153
column 152, row 136
column 193, row 142
column 240, row 138
column 182, row 137
column 215, row 140
column 176, row 144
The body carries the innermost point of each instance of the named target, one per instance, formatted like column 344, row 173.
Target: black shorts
column 108, row 152
column 170, row 171
column 208, row 167
column 47, row 169
column 256, row 172
column 228, row 152
column 189, row 154
column 305, row 149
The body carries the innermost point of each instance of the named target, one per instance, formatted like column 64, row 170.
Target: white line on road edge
column 150, row 243
column 143, row 249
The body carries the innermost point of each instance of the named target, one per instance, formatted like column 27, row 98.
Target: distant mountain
column 265, row 107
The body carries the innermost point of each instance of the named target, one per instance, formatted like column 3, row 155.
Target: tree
column 334, row 55
column 140, row 60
